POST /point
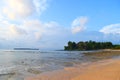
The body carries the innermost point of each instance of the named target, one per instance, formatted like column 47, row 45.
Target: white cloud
column 14, row 30
column 34, row 33
column 40, row 5
column 40, row 29
column 78, row 24
column 14, row 9
column 17, row 24
column 111, row 29
column 38, row 35
column 33, row 30
column 10, row 31
column 20, row 25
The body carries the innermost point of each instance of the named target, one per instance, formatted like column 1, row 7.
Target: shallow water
column 15, row 65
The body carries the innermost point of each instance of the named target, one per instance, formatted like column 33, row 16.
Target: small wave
column 5, row 70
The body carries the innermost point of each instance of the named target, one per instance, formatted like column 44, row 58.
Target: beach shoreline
column 101, row 70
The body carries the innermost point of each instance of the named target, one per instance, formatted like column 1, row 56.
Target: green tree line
column 90, row 45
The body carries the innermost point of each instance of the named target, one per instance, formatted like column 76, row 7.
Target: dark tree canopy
column 90, row 45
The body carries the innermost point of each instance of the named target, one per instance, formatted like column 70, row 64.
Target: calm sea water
column 15, row 65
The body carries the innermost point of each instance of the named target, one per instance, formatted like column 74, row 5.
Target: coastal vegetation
column 90, row 45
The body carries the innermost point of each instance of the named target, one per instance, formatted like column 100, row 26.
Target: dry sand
column 102, row 70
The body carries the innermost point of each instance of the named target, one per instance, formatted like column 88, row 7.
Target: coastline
column 101, row 70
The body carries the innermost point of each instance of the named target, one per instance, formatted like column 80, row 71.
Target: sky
column 50, row 24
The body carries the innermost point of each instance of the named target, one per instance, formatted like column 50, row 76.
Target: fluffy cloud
column 40, row 29
column 111, row 29
column 40, row 5
column 33, row 28
column 22, row 8
column 10, row 31
column 78, row 24
column 18, row 28
column 14, row 30
column 35, row 33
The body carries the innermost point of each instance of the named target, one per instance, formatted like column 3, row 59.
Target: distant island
column 26, row 49
column 90, row 45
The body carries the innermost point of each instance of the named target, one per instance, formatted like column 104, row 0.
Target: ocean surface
column 17, row 64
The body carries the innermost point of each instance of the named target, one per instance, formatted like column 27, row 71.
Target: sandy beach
column 102, row 70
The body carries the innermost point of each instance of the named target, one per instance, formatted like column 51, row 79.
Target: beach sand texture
column 101, row 70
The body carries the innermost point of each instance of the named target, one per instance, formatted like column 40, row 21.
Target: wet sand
column 102, row 70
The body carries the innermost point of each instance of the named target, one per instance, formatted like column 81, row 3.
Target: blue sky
column 99, row 12
column 50, row 24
